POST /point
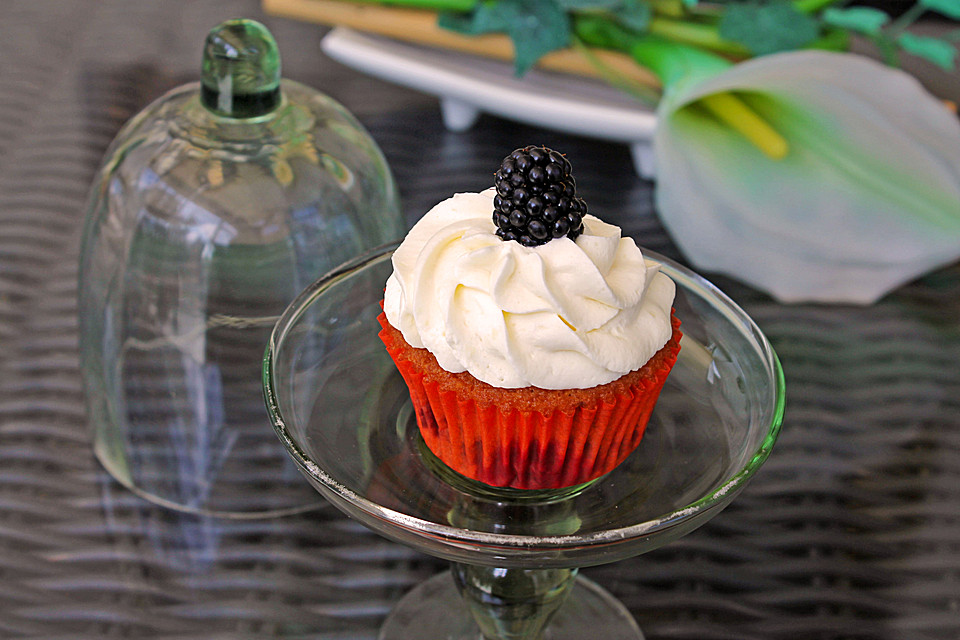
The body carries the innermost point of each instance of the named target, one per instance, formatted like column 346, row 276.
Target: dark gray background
column 851, row 530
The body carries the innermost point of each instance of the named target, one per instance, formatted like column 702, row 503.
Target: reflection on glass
column 208, row 216
column 344, row 413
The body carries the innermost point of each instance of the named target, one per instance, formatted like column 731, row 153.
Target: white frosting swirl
column 566, row 314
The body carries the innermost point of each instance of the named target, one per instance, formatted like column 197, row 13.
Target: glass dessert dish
column 343, row 412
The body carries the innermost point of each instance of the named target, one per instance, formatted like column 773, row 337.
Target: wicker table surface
column 851, row 530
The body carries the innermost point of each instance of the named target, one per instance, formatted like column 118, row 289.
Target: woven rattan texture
column 852, row 530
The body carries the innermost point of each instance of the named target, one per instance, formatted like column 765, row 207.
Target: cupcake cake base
column 529, row 438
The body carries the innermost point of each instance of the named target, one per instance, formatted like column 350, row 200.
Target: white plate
column 468, row 85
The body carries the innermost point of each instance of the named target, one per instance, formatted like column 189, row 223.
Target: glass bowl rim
column 716, row 499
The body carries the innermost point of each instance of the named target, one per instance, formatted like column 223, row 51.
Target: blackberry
column 536, row 198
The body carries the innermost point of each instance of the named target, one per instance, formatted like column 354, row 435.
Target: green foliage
column 760, row 27
column 536, row 27
column 634, row 14
column 588, row 5
column 767, row 27
column 949, row 8
column 939, row 52
column 859, row 19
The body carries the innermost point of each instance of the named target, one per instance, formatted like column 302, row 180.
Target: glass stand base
column 435, row 610
column 283, row 499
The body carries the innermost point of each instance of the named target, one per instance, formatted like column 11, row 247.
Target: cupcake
column 533, row 337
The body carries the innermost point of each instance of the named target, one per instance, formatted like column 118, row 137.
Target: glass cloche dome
column 213, row 207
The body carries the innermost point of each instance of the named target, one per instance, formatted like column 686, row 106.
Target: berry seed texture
column 536, row 198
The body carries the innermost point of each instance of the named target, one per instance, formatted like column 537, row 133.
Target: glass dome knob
column 241, row 70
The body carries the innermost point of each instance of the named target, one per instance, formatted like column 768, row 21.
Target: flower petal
column 867, row 198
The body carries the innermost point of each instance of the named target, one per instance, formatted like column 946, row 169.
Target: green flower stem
column 886, row 40
column 643, row 93
column 671, row 8
column 705, row 35
column 832, row 40
column 595, row 30
column 673, row 62
column 888, row 50
column 907, row 18
column 701, row 35
column 812, row 6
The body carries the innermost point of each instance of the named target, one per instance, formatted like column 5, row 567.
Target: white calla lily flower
column 866, row 198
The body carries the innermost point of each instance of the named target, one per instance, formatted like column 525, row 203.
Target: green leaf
column 939, row 52
column 949, row 8
column 486, row 18
column 635, row 14
column 499, row 16
column 767, row 27
column 587, row 5
column 860, row 19
column 536, row 27
column 598, row 31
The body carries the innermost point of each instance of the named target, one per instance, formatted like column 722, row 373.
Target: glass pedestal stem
column 512, row 604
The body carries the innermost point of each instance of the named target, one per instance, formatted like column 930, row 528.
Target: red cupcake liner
column 500, row 445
